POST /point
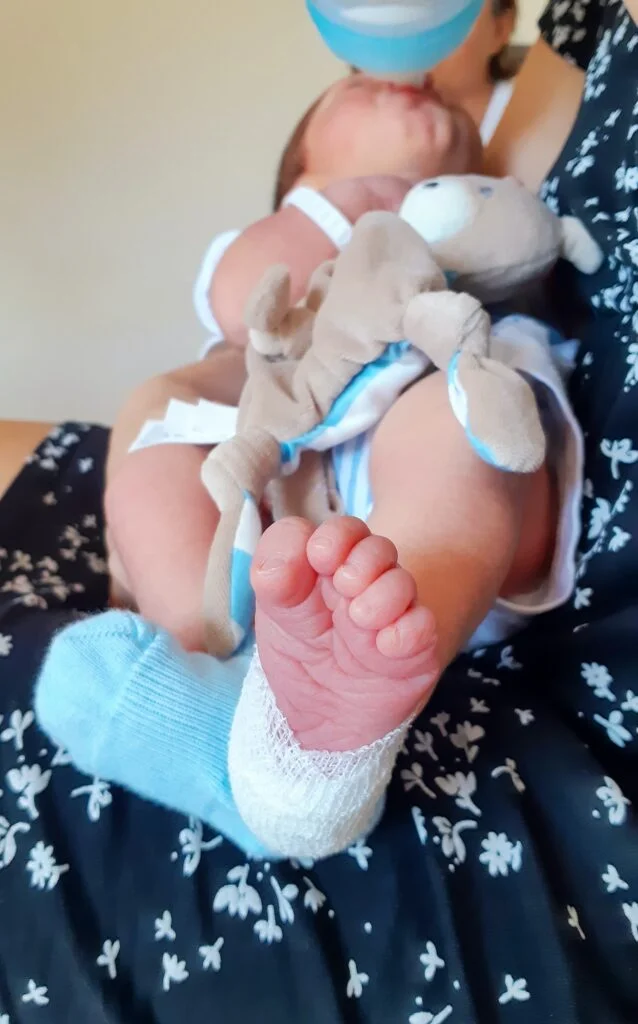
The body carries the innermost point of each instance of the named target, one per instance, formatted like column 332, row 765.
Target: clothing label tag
column 206, row 423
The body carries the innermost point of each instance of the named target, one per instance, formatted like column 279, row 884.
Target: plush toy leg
column 319, row 284
column 385, row 265
column 267, row 309
column 494, row 404
column 440, row 324
column 498, row 409
column 235, row 474
column 310, row 492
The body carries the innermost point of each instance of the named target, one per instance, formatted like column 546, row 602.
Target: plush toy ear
column 579, row 247
column 266, row 310
column 319, row 285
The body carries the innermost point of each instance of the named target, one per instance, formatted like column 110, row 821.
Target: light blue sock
column 133, row 708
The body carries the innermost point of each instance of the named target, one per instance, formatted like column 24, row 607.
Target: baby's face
column 363, row 126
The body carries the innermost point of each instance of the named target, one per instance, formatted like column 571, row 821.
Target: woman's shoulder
column 572, row 28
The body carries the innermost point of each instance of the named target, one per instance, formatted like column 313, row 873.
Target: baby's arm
column 291, row 238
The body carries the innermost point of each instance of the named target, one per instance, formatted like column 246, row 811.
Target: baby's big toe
column 281, row 574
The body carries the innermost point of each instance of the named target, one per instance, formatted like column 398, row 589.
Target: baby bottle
column 394, row 39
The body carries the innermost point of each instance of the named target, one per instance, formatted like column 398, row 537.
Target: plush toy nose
column 440, row 208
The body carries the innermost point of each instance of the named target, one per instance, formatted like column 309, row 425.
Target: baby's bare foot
column 347, row 652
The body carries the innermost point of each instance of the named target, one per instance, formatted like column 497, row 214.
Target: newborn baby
column 355, row 620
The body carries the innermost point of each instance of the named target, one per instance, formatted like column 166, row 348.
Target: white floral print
column 358, row 979
column 500, row 855
column 630, row 910
column 36, row 994
column 614, row 800
column 431, row 961
column 515, row 991
column 42, row 866
column 164, row 931
column 108, row 957
column 175, row 972
column 212, row 956
column 612, row 880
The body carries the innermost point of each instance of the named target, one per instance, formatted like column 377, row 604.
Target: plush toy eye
column 431, row 184
column 486, row 190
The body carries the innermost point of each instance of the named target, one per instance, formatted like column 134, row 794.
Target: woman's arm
column 539, row 118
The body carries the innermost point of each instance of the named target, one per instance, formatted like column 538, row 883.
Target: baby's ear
column 579, row 247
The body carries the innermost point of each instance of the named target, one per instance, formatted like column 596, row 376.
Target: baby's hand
column 356, row 196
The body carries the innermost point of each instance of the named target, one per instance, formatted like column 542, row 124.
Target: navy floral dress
column 502, row 883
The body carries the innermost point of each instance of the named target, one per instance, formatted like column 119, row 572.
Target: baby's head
column 362, row 126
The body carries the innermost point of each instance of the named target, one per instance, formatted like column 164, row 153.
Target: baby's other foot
column 347, row 652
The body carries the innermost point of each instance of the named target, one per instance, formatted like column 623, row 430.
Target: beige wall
column 530, row 10
column 130, row 132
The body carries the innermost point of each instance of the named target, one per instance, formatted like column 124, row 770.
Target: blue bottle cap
column 394, row 37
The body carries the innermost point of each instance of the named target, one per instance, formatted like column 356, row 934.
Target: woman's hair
column 501, row 67
column 292, row 165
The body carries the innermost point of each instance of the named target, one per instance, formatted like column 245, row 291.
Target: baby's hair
column 292, row 164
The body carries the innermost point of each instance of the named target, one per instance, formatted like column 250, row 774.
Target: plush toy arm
column 235, row 475
column 319, row 285
column 443, row 323
column 495, row 405
column 267, row 309
column 499, row 411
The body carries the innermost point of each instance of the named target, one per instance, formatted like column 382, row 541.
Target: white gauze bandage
column 302, row 803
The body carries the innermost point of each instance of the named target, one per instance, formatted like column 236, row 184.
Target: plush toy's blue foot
column 132, row 707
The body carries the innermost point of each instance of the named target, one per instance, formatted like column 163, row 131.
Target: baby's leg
column 160, row 518
column 351, row 644
column 462, row 535
column 161, row 523
column 467, row 532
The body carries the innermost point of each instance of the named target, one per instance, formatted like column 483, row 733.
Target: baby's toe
column 411, row 635
column 331, row 543
column 281, row 574
column 385, row 600
column 366, row 562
